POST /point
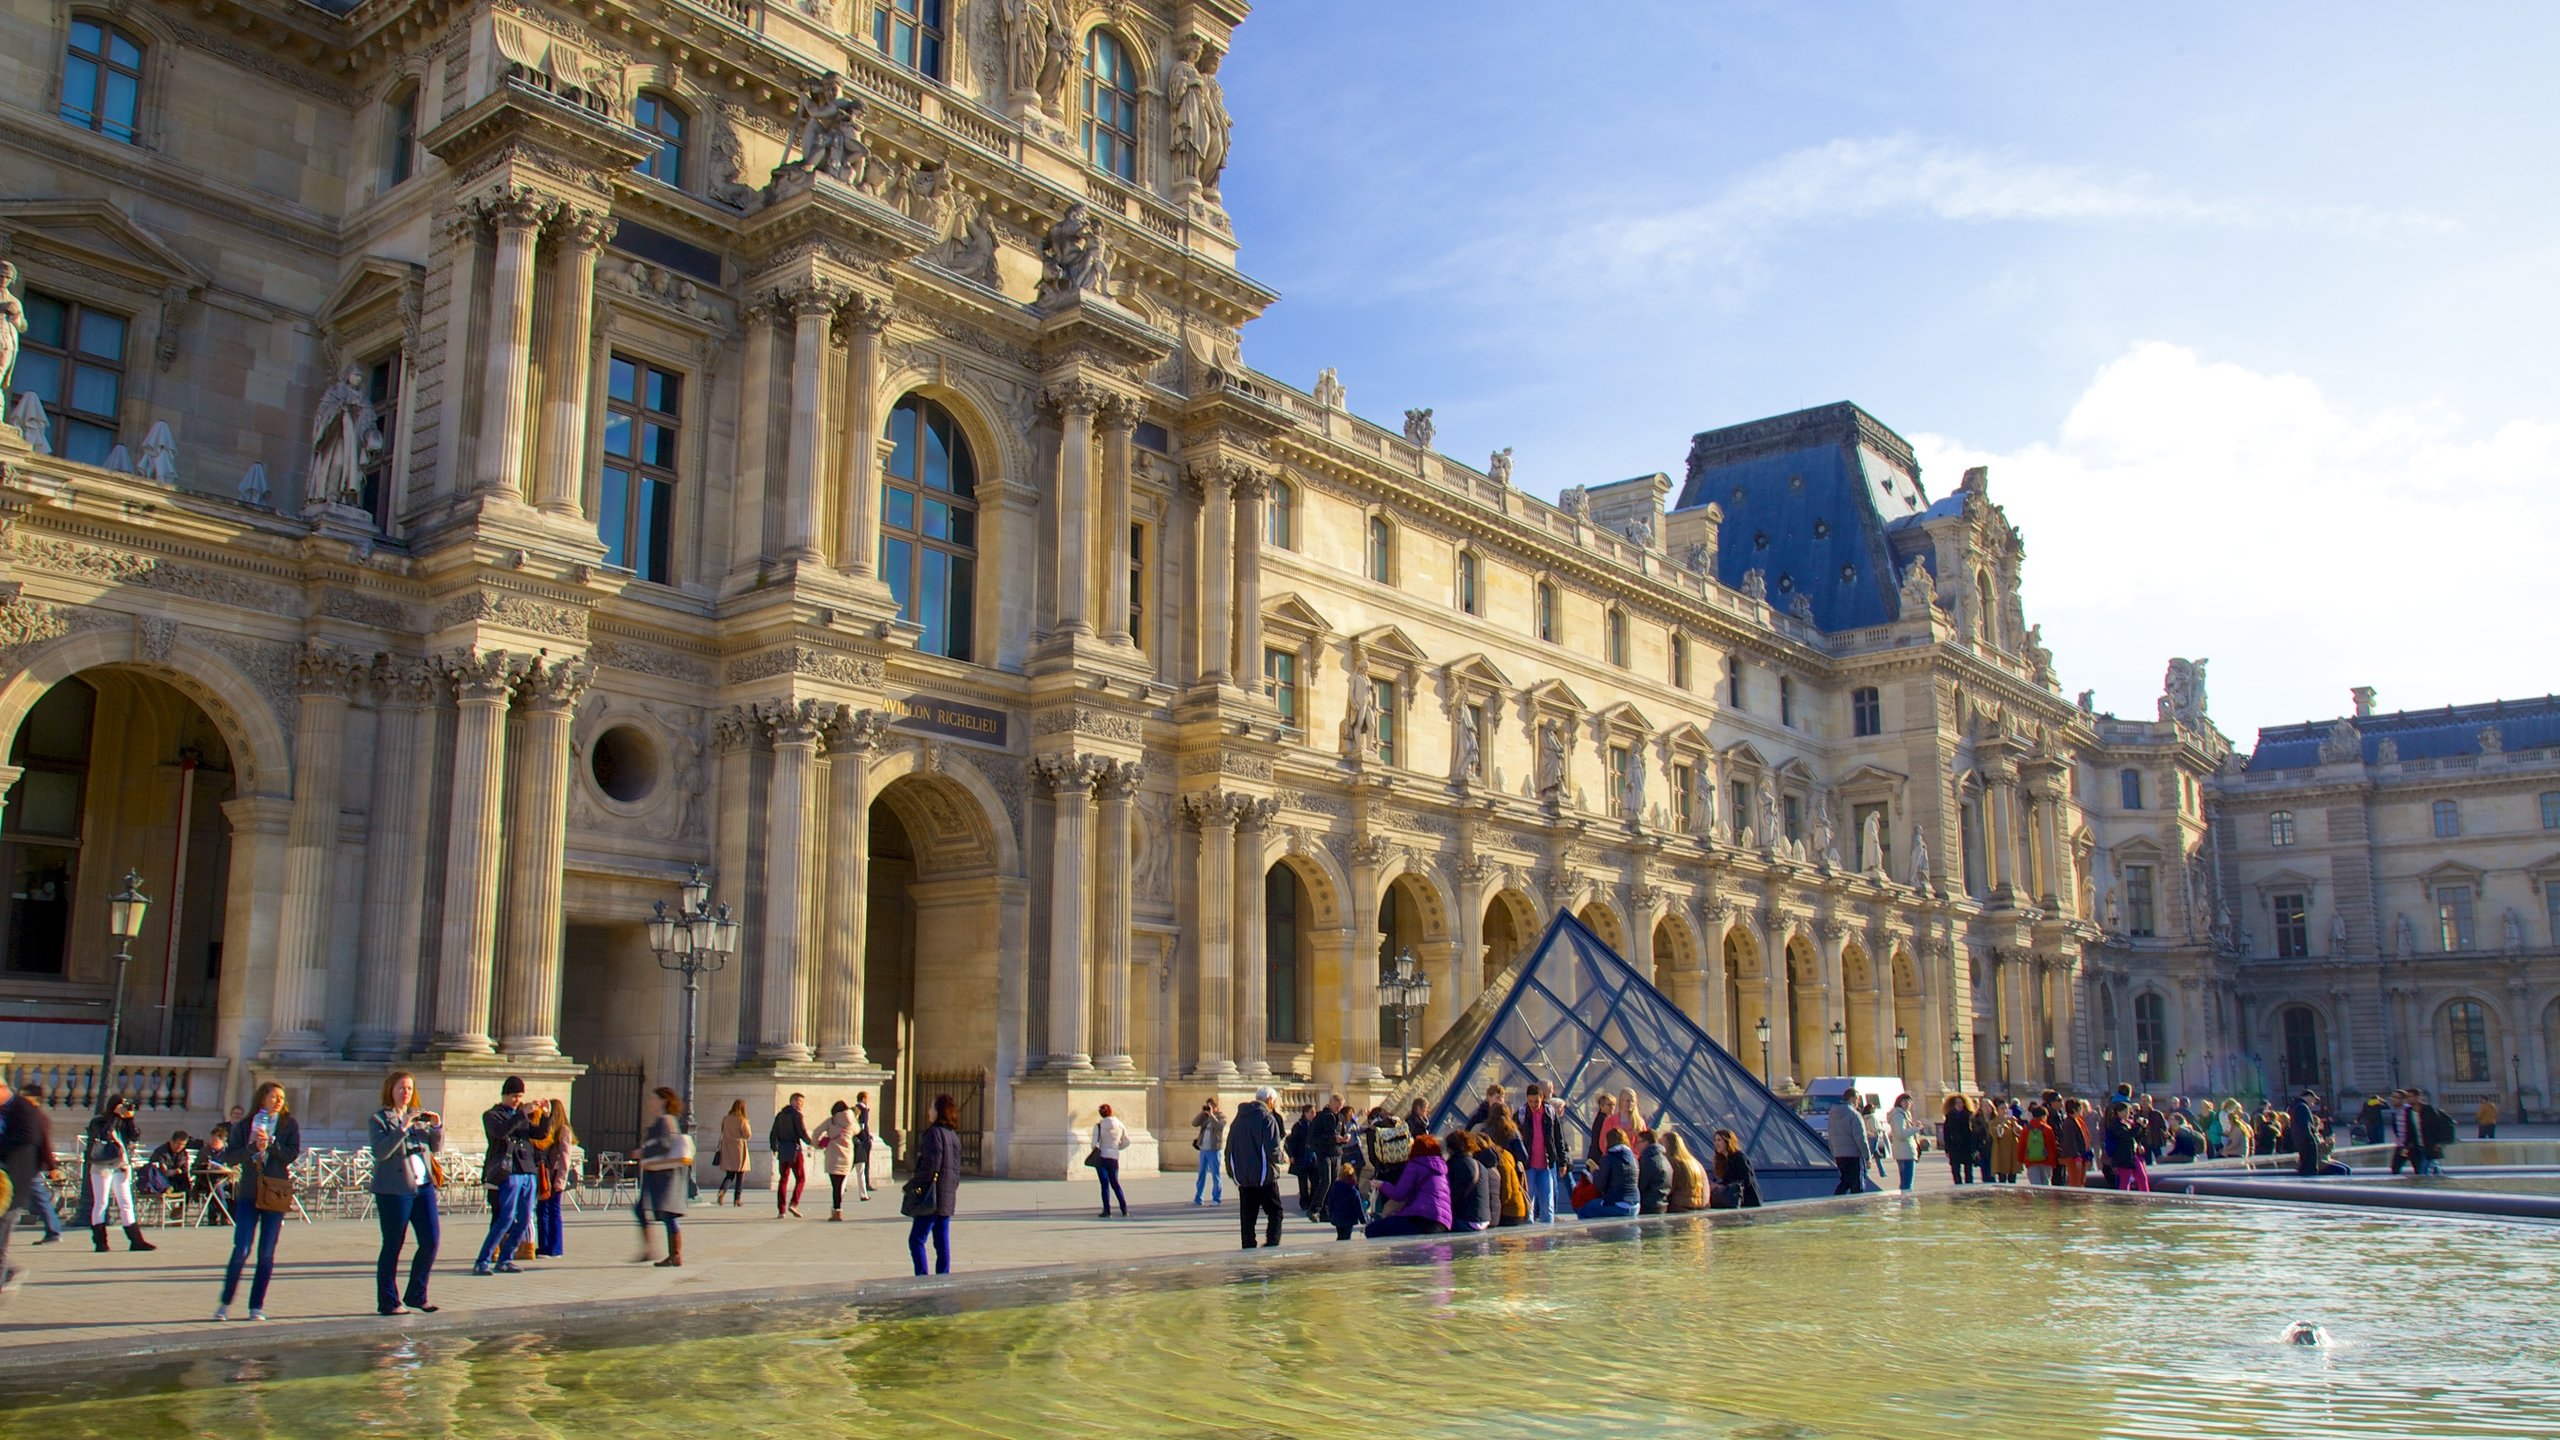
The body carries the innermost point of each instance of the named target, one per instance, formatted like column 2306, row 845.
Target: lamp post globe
column 1839, row 1047
column 693, row 941
column 126, row 910
column 1760, row 1027
column 1901, row 1052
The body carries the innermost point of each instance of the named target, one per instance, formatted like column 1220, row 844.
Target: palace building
column 483, row 459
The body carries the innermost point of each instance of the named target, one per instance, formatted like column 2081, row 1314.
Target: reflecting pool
column 1976, row 1315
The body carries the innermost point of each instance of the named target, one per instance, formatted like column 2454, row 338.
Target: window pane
column 902, row 432
column 897, row 566
column 937, row 520
column 658, row 446
column 613, row 517
column 86, row 36
column 964, row 607
column 94, row 390
column 622, row 380
column 897, row 507
column 937, row 452
column 87, row 443
column 79, row 89
column 40, row 375
column 121, row 106
column 617, row 434
column 666, row 392
column 45, row 319
column 657, row 535
column 124, row 52
column 933, row 587
column 964, row 531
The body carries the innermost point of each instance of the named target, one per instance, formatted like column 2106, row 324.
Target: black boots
column 133, row 1239
column 98, row 1234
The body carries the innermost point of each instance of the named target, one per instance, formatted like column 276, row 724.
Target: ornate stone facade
column 631, row 584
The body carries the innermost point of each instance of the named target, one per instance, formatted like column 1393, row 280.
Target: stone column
column 481, row 683
column 1070, row 779
column 749, row 503
column 518, row 216
column 1253, row 965
column 536, row 845
column 1712, row 982
column 851, row 743
column 1117, row 417
column 1214, row 486
column 327, row 676
column 2062, row 991
column 782, row 1033
column 395, row 867
column 810, row 310
column 1996, row 856
column 561, row 475
column 1829, row 935
column 1250, row 491
column 1116, row 780
column 858, row 533
column 1359, row 964
column 1777, row 1007
column 1468, row 971
column 1075, row 404
column 1213, row 818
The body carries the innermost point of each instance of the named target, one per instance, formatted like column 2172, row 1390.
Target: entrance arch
column 1412, row 916
column 1746, row 999
column 1510, row 927
column 1866, row 1048
column 1675, row 964
column 1811, row 1046
column 1602, row 918
column 1297, row 904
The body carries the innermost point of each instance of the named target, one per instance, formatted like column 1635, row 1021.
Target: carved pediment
column 1475, row 672
column 374, row 292
column 95, row 234
column 1557, row 696
column 1686, row 736
column 1389, row 644
column 1291, row 614
column 2451, row 872
column 1874, row 777
column 1747, row 756
column 2286, row 882
column 1624, row 716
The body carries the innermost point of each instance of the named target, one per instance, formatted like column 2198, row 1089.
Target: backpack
column 2035, row 1147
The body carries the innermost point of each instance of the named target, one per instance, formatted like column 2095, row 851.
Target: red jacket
column 2036, row 1144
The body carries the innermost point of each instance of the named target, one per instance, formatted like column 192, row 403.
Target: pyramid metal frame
column 1575, row 1016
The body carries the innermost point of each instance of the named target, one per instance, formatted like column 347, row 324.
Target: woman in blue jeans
column 1209, row 1137
column 263, row 1146
column 933, row 1187
column 404, row 1141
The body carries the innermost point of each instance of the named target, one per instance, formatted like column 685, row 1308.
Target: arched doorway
column 1909, row 1009
column 1510, row 926
column 1675, row 966
column 1866, row 1048
column 1602, row 919
column 115, row 771
column 935, row 955
column 1812, row 1045
column 1411, row 921
column 1289, row 925
column 2299, row 1047
column 1746, row 1001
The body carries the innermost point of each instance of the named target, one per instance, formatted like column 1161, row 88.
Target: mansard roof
column 2454, row 730
column 1808, row 500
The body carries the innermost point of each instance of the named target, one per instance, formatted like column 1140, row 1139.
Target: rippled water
column 1981, row 1316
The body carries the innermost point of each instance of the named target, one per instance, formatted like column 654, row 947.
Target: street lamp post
column 2141, row 1068
column 125, row 912
column 1958, row 1047
column 2005, row 1043
column 2048, row 1062
column 2515, row 1068
column 2107, row 1063
column 2182, row 1069
column 1760, row 1027
column 1406, row 991
column 1902, row 1054
column 1839, row 1048
column 693, row 942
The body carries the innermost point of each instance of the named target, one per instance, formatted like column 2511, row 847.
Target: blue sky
column 2251, row 310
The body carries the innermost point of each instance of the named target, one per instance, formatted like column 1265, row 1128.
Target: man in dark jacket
column 1653, row 1176
column 2435, row 1133
column 2302, row 1127
column 26, row 1151
column 790, row 1141
column 1253, row 1161
column 508, row 1173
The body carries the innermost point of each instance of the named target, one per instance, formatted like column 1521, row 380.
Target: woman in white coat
column 1110, row 1137
column 1902, row 1138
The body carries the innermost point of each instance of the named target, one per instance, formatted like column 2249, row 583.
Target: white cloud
column 2198, row 508
column 1719, row 241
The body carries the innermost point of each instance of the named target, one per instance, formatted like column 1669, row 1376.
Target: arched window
column 1617, row 637
column 1470, row 582
column 2150, row 1035
column 929, row 527
column 1280, row 521
column 2467, row 1025
column 1382, row 551
column 43, row 822
column 1547, row 611
column 2448, row 819
column 1680, row 661
column 2130, row 781
column 662, row 121
column 1110, row 105
column 400, row 136
column 2280, row 828
column 102, row 80
column 1866, row 711
column 910, row 33
column 2301, row 1047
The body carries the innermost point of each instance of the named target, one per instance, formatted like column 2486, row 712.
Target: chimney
column 2364, row 701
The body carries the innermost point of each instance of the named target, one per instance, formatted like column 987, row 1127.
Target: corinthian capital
column 1208, row 809
column 1067, row 776
column 518, row 207
column 1118, row 779
column 325, row 669
column 583, row 228
column 790, row 723
column 868, row 314
column 1115, row 411
column 1078, row 399
column 554, row 684
column 481, row 674
column 857, row 732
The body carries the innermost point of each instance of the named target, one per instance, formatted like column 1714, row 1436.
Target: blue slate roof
column 1811, row 500
column 2419, row 734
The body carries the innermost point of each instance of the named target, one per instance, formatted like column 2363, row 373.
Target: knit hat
column 514, row 1086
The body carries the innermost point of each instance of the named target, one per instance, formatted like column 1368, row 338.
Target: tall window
column 1866, row 711
column 72, row 359
column 1786, row 700
column 400, row 137
column 1138, row 586
column 2139, row 916
column 42, row 825
column 1618, row 637
column 1546, row 612
column 2150, row 1035
column 910, row 32
column 2301, row 1047
column 1384, row 691
column 1741, row 809
column 2551, row 809
column 1990, row 611
column 102, row 81
column 1620, row 758
column 1733, row 681
column 374, row 492
column 1280, row 518
column 1280, row 952
column 2453, row 917
column 1470, row 583
column 643, row 409
column 1680, row 661
column 1684, row 796
column 1382, row 550
column 658, row 118
column 2448, row 819
column 2280, row 828
column 2551, row 908
column 2468, row 1022
column 929, row 527
column 1110, row 105
column 1791, row 816
column 1280, row 682
column 2131, row 782
column 2293, row 927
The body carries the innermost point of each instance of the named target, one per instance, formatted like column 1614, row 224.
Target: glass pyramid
column 1575, row 1016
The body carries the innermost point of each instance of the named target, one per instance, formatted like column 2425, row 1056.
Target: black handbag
column 920, row 1197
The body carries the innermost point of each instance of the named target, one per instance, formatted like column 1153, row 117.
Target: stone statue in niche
column 1360, row 720
column 1826, row 835
column 969, row 251
column 2115, row 916
column 1696, row 557
column 1706, row 807
column 346, row 438
column 1329, row 393
column 1417, row 427
column 1075, row 259
column 1766, row 832
column 1551, row 760
column 1871, row 843
column 1037, row 50
column 2513, row 925
column 2405, row 937
column 13, row 322
column 1470, row 748
column 826, row 135
column 1631, row 799
column 1201, row 129
column 2338, row 933
column 1498, row 470
column 1640, row 532
column 1920, row 861
column 1919, row 590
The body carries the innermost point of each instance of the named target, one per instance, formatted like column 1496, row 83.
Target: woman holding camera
column 405, row 1142
column 263, row 1148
